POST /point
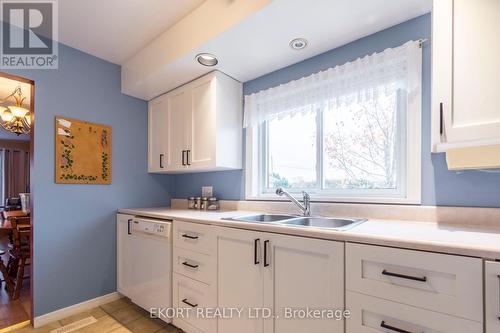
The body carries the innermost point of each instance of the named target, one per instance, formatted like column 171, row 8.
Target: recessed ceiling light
column 207, row 59
column 298, row 43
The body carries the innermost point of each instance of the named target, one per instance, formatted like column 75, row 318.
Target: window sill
column 355, row 200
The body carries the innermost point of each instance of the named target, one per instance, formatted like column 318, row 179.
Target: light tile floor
column 120, row 316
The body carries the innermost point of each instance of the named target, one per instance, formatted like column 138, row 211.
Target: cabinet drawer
column 198, row 266
column 371, row 315
column 438, row 282
column 192, row 295
column 195, row 237
column 492, row 296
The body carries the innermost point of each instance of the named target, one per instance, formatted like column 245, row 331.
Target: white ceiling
column 261, row 43
column 258, row 44
column 115, row 30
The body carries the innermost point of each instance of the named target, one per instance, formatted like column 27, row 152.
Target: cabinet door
column 201, row 120
column 240, row 278
column 167, row 132
column 476, row 70
column 466, row 70
column 124, row 253
column 492, row 296
column 158, row 138
column 178, row 106
column 303, row 273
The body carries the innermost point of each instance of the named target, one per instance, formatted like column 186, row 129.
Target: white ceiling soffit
column 115, row 30
column 258, row 44
column 153, row 70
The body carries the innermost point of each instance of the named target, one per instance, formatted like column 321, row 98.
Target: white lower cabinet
column 271, row 283
column 197, row 266
column 192, row 296
column 194, row 277
column 285, row 275
column 492, row 296
column 240, row 279
column 406, row 291
column 124, row 251
column 371, row 315
column 437, row 282
column 304, row 274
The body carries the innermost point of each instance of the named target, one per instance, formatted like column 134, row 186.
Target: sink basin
column 300, row 221
column 263, row 218
column 324, row 222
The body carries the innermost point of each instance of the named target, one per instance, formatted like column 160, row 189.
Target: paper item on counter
column 482, row 157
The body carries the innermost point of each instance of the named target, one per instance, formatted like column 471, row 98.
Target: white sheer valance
column 398, row 68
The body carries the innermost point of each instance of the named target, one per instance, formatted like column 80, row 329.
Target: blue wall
column 439, row 186
column 74, row 226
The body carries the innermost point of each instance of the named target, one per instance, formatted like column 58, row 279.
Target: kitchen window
column 348, row 134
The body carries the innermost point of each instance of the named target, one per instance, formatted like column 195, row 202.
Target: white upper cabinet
column 466, row 73
column 197, row 127
column 157, row 115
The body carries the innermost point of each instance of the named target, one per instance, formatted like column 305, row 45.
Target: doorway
column 16, row 200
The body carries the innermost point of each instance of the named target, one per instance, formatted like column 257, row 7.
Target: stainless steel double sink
column 340, row 224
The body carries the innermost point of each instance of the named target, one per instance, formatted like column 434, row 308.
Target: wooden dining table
column 5, row 225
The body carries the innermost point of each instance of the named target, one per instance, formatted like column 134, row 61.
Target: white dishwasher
column 148, row 262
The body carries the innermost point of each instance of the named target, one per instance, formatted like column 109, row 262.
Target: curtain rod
column 421, row 41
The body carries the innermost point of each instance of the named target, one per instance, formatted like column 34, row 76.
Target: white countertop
column 426, row 236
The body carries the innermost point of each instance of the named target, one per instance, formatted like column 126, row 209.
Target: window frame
column 408, row 191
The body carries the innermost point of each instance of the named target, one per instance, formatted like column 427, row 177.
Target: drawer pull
column 392, row 328
column 185, row 263
column 185, row 301
column 189, row 237
column 403, row 276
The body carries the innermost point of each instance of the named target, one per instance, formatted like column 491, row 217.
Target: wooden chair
column 20, row 255
column 5, row 273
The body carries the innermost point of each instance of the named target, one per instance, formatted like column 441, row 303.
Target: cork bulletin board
column 83, row 152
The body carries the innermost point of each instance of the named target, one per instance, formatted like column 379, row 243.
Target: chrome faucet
column 305, row 206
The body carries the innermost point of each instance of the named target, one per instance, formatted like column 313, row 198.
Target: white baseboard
column 75, row 309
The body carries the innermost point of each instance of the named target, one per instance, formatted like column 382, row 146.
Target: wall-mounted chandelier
column 15, row 118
